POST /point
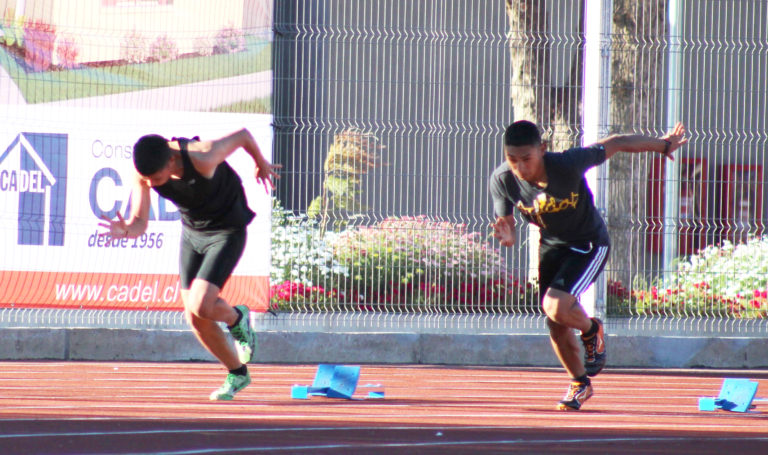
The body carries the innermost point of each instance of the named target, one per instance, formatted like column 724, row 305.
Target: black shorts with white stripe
column 570, row 268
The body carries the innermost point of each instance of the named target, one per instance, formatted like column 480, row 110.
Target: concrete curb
column 386, row 348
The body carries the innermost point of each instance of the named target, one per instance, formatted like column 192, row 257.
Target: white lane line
column 255, row 430
column 342, row 408
column 442, row 428
column 560, row 424
column 508, row 442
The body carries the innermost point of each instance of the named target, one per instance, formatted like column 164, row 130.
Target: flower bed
column 720, row 281
column 399, row 264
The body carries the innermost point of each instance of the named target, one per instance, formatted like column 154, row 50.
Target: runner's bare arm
column 635, row 143
column 212, row 153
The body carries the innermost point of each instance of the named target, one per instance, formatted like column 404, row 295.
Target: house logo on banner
column 34, row 167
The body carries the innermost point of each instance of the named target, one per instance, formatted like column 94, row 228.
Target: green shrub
column 299, row 253
column 134, row 48
column 399, row 264
column 303, row 271
column 351, row 155
column 163, row 49
column 229, row 40
column 67, row 51
column 39, row 38
column 416, row 264
column 723, row 281
column 203, row 45
column 12, row 29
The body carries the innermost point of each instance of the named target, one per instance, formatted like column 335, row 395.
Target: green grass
column 47, row 86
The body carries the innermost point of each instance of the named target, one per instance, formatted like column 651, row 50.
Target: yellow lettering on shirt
column 544, row 204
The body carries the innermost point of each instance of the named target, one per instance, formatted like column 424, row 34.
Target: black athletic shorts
column 210, row 255
column 570, row 268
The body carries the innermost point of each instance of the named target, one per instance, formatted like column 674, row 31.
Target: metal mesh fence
column 388, row 117
column 688, row 245
column 430, row 87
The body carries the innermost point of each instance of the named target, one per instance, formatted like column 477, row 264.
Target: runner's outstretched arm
column 635, row 143
column 210, row 154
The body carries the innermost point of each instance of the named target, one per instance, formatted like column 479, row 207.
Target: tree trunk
column 535, row 94
column 636, row 78
column 636, row 75
column 535, row 97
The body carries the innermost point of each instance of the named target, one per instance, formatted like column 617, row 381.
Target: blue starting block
column 343, row 382
column 332, row 381
column 736, row 395
column 375, row 391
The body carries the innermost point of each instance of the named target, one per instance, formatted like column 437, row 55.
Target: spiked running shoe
column 233, row 384
column 577, row 394
column 594, row 350
column 244, row 335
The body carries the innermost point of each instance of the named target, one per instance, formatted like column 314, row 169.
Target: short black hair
column 522, row 132
column 150, row 154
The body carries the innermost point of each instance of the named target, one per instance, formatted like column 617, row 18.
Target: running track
column 154, row 408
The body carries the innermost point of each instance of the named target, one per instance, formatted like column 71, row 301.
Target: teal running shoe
column 233, row 384
column 245, row 336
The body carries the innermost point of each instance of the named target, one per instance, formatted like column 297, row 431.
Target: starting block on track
column 736, row 395
column 335, row 381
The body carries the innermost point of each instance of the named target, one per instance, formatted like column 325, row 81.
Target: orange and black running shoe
column 594, row 350
column 578, row 393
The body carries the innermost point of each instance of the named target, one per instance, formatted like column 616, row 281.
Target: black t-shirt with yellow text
column 564, row 210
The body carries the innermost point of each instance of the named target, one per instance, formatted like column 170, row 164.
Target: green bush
column 723, row 281
column 66, row 52
column 229, row 40
column 399, row 264
column 134, row 47
column 416, row 264
column 163, row 49
column 12, row 29
column 299, row 253
column 39, row 39
column 304, row 274
column 351, row 156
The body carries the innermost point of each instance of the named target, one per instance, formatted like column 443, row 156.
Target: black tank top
column 207, row 204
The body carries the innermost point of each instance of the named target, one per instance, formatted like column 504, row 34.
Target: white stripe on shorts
column 591, row 272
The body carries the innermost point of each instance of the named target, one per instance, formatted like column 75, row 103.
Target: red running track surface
column 163, row 408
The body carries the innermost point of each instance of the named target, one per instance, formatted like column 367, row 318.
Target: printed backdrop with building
column 61, row 172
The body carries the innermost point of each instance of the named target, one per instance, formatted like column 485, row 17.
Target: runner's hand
column 117, row 228
column 675, row 139
column 503, row 231
column 265, row 174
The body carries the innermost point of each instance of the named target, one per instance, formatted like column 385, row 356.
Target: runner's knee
column 557, row 305
column 556, row 329
column 201, row 304
column 554, row 309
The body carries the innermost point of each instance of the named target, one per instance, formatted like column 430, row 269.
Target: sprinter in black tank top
column 550, row 191
column 209, row 194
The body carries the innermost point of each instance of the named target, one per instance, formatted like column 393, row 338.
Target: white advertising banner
column 62, row 168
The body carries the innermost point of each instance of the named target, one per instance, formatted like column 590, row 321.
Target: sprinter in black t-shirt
column 209, row 194
column 550, row 191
